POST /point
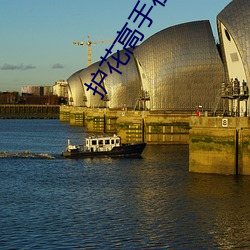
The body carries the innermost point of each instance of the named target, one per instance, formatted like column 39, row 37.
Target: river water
column 150, row 203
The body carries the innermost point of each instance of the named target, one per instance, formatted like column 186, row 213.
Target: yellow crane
column 89, row 43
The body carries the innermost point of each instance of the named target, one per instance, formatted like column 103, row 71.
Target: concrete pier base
column 132, row 126
column 167, row 129
column 219, row 145
column 64, row 114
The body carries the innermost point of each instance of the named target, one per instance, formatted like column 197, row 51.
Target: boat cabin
column 105, row 143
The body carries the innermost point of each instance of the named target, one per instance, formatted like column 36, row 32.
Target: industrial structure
column 172, row 80
column 178, row 69
column 89, row 44
column 182, row 67
column 60, row 89
column 234, row 34
column 170, row 76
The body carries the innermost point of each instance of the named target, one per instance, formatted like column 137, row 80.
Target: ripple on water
column 145, row 203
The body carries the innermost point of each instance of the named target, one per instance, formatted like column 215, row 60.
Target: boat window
column 117, row 141
column 107, row 142
column 100, row 142
column 112, row 142
column 93, row 142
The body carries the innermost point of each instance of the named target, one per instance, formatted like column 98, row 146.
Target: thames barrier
column 174, row 75
column 218, row 145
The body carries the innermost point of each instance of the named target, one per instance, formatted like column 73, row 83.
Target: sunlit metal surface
column 179, row 68
column 86, row 77
column 182, row 66
column 236, row 18
column 123, row 89
column 76, row 92
column 234, row 33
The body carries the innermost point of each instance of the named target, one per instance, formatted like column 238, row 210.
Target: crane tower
column 89, row 43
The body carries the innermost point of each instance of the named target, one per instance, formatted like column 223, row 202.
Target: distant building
column 9, row 97
column 47, row 90
column 38, row 95
column 30, row 90
column 60, row 89
column 37, row 90
column 40, row 100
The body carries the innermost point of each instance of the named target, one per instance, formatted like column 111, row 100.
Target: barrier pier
column 219, row 145
column 132, row 126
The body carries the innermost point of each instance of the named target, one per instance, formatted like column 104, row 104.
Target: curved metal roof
column 86, row 77
column 179, row 67
column 123, row 89
column 182, row 66
column 236, row 18
column 77, row 95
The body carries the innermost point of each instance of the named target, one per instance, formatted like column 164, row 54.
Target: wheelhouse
column 105, row 143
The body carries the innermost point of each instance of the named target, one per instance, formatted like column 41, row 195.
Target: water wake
column 26, row 154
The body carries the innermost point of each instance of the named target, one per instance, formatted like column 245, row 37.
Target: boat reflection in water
column 101, row 146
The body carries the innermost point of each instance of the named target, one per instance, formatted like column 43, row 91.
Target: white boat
column 103, row 146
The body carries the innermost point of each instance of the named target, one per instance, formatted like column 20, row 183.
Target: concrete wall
column 216, row 145
column 219, row 145
column 64, row 114
column 167, row 129
column 132, row 126
column 24, row 111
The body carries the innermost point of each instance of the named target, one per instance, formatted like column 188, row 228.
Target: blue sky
column 36, row 35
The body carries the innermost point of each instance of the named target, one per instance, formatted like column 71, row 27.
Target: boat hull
column 126, row 150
